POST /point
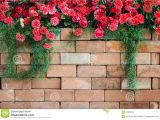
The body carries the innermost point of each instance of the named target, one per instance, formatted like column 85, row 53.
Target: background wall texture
column 86, row 73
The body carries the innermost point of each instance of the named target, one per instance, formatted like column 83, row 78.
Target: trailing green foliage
column 40, row 55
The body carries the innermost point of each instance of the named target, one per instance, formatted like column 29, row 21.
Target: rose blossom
column 20, row 37
column 54, row 21
column 36, row 23
column 47, row 46
column 78, row 32
column 43, row 30
column 158, row 30
column 99, row 33
column 50, row 35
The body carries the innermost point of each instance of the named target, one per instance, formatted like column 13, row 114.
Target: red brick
column 104, row 105
column 20, row 58
column 44, row 105
column 113, row 46
column 15, row 105
column 76, row 83
column 64, row 46
column 141, row 58
column 29, row 95
column 155, row 59
column 54, row 58
column 90, row 46
column 154, row 105
column 46, row 83
column 134, row 105
column 8, row 83
column 74, row 105
column 119, row 95
column 142, row 83
column 61, row 71
column 91, row 71
column 156, row 83
column 6, row 95
column 106, row 83
column 148, row 71
column 30, row 105
column 89, row 95
column 149, row 46
column 147, row 95
column 105, row 58
column 115, row 71
column 59, row 95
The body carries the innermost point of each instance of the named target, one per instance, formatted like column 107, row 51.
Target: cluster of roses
column 109, row 15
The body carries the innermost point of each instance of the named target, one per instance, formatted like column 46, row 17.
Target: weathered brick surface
column 75, row 58
column 10, row 84
column 87, row 73
column 29, row 95
column 148, row 71
column 6, row 95
column 90, row 46
column 105, row 58
column 61, row 71
column 115, row 71
column 106, row 83
column 76, row 83
column 142, row 83
column 75, row 105
column 104, row 105
column 46, row 83
column 59, row 95
column 134, row 105
column 91, row 71
column 89, row 95
column 147, row 95
column 119, row 95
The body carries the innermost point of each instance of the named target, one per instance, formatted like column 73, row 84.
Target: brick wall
column 86, row 73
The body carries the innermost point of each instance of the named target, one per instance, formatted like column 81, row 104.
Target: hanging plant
column 37, row 23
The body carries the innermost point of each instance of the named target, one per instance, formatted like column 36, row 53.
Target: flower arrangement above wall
column 37, row 22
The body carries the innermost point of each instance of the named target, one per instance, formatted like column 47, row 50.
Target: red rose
column 20, row 37
column 113, row 25
column 44, row 10
column 83, row 23
column 124, row 18
column 47, row 46
column 26, row 20
column 35, row 32
column 76, row 18
column 33, row 13
column 37, row 37
column 2, row 16
column 8, row 20
column 158, row 30
column 78, row 32
column 43, row 30
column 99, row 33
column 157, row 14
column 81, row 2
column 36, row 23
column 50, row 35
column 54, row 21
